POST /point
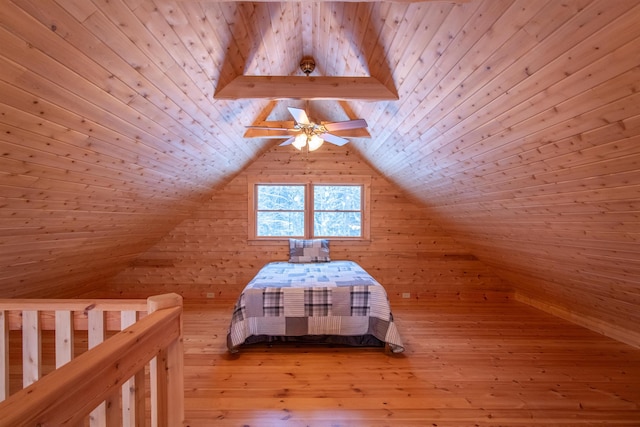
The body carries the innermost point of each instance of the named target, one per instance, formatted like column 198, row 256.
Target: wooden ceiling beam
column 315, row 1
column 304, row 87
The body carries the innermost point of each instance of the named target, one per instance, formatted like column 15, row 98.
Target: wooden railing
column 107, row 383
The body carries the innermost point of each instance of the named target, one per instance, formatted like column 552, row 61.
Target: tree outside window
column 308, row 210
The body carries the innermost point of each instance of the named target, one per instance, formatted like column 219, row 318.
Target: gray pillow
column 314, row 250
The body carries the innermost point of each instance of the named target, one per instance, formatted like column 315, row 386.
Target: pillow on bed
column 315, row 250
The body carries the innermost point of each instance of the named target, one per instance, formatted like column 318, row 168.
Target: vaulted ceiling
column 516, row 122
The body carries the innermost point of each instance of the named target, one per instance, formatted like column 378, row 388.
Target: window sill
column 336, row 241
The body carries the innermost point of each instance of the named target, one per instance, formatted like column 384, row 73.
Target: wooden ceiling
column 516, row 121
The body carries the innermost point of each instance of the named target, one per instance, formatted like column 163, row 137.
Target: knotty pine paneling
column 516, row 130
column 106, row 144
column 540, row 177
column 209, row 252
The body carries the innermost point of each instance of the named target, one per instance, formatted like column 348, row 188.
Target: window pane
column 280, row 224
column 346, row 224
column 337, row 197
column 280, row 197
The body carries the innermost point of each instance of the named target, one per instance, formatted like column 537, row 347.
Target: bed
column 313, row 299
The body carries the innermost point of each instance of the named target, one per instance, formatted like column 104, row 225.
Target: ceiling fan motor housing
column 307, row 65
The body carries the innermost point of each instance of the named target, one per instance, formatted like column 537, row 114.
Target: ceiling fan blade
column 288, row 141
column 349, row 124
column 270, row 128
column 333, row 139
column 300, row 116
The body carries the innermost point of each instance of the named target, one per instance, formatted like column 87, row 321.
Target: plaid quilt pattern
column 239, row 311
column 297, row 299
column 317, row 302
column 272, row 302
column 360, row 296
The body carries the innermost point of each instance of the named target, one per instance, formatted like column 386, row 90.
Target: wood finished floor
column 465, row 364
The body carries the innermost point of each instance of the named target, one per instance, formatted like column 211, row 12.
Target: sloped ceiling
column 517, row 121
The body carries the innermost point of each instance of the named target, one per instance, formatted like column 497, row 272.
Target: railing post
column 105, row 414
column 26, row 315
column 31, row 347
column 68, row 394
column 64, row 337
column 133, row 413
column 4, row 355
column 167, row 372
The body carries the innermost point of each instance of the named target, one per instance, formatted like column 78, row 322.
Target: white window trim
column 363, row 180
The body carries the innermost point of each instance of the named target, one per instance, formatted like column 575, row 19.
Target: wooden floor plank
column 466, row 363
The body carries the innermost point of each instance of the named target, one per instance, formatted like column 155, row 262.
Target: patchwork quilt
column 337, row 298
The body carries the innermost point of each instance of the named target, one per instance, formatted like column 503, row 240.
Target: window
column 281, row 209
column 337, row 210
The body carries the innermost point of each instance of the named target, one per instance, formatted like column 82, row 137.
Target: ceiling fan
column 313, row 135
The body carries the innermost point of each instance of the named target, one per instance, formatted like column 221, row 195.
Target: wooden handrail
column 112, row 308
column 68, row 394
column 73, row 304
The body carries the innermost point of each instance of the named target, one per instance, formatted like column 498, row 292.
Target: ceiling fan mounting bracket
column 307, row 64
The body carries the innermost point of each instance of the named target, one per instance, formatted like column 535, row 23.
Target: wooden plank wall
column 209, row 252
column 97, row 161
column 533, row 157
column 517, row 130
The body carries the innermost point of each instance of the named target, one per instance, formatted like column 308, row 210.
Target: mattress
column 336, row 299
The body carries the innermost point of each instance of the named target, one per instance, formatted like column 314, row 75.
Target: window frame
column 309, row 183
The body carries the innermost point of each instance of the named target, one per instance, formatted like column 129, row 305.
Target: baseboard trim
column 617, row 333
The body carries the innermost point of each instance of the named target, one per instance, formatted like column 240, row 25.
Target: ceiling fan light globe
column 300, row 141
column 315, row 142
